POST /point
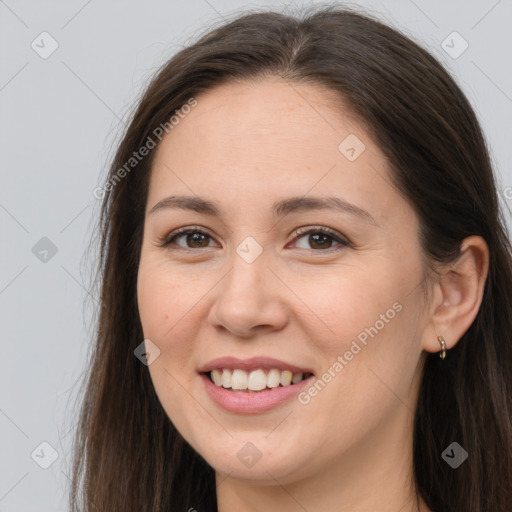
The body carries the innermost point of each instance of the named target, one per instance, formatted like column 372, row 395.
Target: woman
column 305, row 284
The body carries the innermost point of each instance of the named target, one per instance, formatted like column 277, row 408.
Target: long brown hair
column 127, row 453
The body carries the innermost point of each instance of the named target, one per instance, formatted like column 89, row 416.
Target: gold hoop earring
column 442, row 354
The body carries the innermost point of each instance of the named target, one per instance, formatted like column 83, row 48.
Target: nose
column 249, row 299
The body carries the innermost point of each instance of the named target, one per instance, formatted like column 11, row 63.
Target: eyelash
column 298, row 233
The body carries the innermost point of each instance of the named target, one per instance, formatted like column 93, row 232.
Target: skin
column 245, row 146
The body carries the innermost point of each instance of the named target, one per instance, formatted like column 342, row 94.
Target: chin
column 262, row 462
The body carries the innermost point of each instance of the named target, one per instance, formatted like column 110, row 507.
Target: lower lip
column 252, row 403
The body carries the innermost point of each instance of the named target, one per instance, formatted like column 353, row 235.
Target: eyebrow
column 279, row 209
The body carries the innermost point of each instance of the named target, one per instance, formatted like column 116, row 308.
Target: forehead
column 268, row 109
column 273, row 138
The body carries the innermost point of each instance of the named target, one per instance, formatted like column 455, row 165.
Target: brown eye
column 194, row 239
column 197, row 238
column 320, row 238
column 320, row 241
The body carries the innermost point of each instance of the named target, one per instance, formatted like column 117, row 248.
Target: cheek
column 347, row 304
column 366, row 378
column 167, row 313
column 163, row 300
column 364, row 324
column 166, row 310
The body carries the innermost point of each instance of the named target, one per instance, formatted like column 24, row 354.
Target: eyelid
column 166, row 239
column 338, row 237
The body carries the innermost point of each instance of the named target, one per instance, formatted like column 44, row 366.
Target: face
column 288, row 254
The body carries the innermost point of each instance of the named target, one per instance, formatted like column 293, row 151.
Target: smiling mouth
column 240, row 381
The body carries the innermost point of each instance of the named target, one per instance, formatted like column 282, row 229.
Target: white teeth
column 286, row 378
column 273, row 378
column 256, row 380
column 226, row 378
column 238, row 379
column 217, row 377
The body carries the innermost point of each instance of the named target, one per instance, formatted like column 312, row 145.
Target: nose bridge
column 245, row 297
column 248, row 275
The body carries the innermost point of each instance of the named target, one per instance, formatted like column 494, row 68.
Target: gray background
column 61, row 117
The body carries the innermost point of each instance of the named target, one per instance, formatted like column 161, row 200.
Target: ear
column 458, row 294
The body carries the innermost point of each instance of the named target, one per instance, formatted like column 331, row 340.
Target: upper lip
column 252, row 363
